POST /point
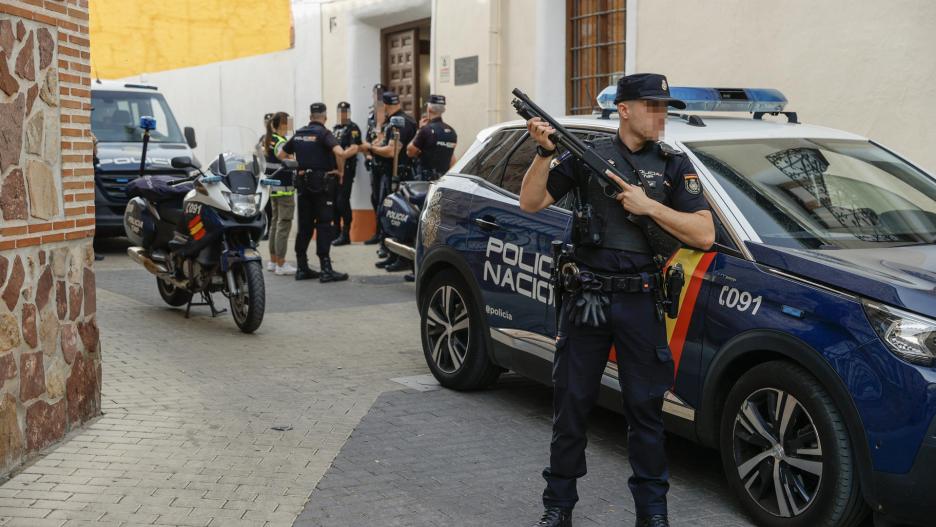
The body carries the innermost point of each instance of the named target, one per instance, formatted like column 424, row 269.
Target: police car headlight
column 243, row 204
column 910, row 336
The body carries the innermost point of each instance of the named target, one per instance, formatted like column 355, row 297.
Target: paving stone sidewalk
column 190, row 405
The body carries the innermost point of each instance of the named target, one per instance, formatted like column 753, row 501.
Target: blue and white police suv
column 805, row 346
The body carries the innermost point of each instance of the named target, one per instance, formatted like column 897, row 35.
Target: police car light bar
column 755, row 100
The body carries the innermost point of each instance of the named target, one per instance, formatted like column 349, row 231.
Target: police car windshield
column 824, row 194
column 116, row 117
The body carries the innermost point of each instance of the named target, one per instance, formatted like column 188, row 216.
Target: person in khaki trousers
column 282, row 198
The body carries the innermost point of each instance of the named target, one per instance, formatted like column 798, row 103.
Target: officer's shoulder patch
column 693, row 185
column 355, row 133
column 667, row 150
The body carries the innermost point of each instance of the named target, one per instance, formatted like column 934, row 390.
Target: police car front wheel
column 452, row 334
column 786, row 451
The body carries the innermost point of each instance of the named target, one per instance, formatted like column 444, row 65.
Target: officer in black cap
column 375, row 120
column 385, row 148
column 610, row 295
column 319, row 156
column 434, row 145
column 349, row 137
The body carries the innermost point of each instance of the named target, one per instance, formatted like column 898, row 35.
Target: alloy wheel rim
column 777, row 452
column 448, row 326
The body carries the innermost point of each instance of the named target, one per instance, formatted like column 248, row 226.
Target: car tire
column 780, row 428
column 452, row 329
column 172, row 295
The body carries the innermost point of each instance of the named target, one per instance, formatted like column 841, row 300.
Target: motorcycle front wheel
column 249, row 300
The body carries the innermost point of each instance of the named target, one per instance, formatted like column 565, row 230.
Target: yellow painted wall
column 129, row 37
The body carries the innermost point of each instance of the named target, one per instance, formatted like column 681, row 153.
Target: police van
column 117, row 108
column 805, row 345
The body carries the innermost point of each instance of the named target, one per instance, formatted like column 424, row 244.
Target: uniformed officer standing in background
column 320, row 159
column 349, row 137
column 433, row 148
column 384, row 149
column 609, row 295
column 375, row 120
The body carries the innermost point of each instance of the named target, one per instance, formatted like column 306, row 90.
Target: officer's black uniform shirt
column 683, row 194
column 407, row 133
column 347, row 135
column 312, row 145
column 436, row 141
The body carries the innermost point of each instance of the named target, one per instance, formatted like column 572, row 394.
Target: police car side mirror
column 189, row 133
column 182, row 162
column 290, row 163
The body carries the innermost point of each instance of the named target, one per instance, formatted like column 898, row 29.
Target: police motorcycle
column 399, row 212
column 198, row 233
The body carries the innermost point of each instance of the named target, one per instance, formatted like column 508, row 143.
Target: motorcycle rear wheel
column 249, row 301
column 172, row 295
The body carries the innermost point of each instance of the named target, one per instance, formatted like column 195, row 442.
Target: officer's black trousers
column 645, row 372
column 314, row 212
column 343, row 210
column 376, row 185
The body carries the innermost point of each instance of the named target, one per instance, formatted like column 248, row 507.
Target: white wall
column 239, row 92
column 864, row 66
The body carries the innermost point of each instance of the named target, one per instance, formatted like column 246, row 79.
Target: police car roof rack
column 790, row 116
column 691, row 120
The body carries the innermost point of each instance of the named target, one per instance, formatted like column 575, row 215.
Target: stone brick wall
column 49, row 347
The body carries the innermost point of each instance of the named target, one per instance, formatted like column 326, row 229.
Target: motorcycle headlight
column 243, row 204
column 910, row 336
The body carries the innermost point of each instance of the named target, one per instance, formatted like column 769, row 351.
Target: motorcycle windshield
column 240, row 146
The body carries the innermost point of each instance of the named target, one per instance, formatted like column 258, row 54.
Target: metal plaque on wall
column 466, row 70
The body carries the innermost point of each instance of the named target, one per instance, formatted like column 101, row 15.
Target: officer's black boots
column 400, row 264
column 373, row 240
column 656, row 520
column 555, row 517
column 329, row 274
column 304, row 272
column 343, row 239
column 387, row 261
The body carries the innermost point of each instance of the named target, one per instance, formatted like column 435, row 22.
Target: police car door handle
column 487, row 223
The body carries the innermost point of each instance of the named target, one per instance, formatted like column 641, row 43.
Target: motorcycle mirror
column 256, row 166
column 182, row 162
column 397, row 121
column 222, row 166
column 290, row 163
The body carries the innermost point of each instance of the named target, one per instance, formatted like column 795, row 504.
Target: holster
column 311, row 181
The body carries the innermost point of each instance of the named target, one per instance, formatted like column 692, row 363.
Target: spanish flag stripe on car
column 695, row 265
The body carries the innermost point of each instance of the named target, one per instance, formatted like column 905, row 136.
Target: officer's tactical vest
column 438, row 157
column 273, row 163
column 619, row 232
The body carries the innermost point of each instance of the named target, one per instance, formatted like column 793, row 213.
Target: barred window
column 595, row 36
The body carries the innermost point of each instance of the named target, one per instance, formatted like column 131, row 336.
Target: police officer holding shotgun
column 613, row 288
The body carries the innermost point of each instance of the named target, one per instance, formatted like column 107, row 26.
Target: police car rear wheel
column 171, row 294
column 452, row 334
column 786, row 451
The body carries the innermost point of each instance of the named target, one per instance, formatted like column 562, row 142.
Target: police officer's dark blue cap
column 437, row 99
column 343, row 105
column 318, row 107
column 390, row 97
column 646, row 86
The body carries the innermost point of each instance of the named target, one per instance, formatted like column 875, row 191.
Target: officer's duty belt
column 621, row 283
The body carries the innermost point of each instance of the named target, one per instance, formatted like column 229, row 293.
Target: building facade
column 50, row 367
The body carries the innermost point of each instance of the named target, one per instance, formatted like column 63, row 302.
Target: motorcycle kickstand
column 206, row 301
